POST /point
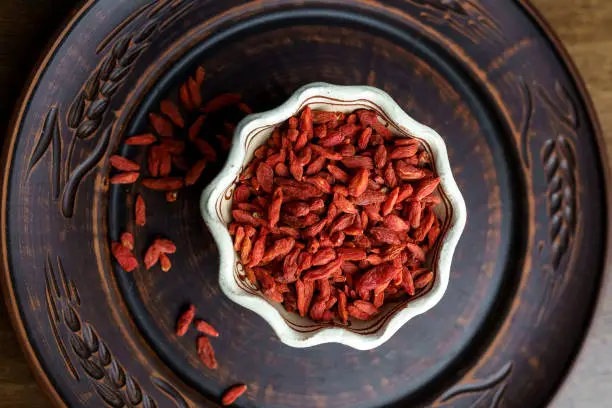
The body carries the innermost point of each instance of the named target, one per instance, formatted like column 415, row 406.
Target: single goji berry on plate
column 233, row 393
column 206, row 353
column 123, row 164
column 127, row 177
column 184, row 321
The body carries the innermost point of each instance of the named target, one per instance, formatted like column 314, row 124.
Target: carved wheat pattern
column 560, row 168
column 91, row 103
column 558, row 158
column 87, row 111
column 109, row 379
column 490, row 389
column 466, row 17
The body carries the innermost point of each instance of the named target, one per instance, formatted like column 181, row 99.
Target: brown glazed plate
column 523, row 142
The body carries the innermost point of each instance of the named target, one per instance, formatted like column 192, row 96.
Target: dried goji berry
column 141, row 140
column 169, row 109
column 125, row 177
column 233, row 393
column 124, row 256
column 184, row 321
column 162, row 126
column 206, row 328
column 123, row 164
column 206, row 352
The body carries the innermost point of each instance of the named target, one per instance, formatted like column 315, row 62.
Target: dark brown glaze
column 523, row 143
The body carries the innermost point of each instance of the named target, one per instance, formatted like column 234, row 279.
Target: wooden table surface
column 585, row 26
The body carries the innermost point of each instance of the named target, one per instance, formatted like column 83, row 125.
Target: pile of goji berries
column 172, row 165
column 334, row 215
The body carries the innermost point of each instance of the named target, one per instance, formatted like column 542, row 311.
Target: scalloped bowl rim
column 227, row 256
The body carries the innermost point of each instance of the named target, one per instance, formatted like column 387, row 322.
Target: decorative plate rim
column 49, row 52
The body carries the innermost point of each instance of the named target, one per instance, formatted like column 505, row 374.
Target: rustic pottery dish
column 216, row 204
column 521, row 136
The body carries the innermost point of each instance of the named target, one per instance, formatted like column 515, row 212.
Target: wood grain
column 583, row 25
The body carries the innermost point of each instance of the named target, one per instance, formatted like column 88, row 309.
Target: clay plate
column 522, row 139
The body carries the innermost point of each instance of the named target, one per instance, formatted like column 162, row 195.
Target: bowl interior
column 223, row 205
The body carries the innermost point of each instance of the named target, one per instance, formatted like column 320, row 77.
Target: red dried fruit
column 194, row 92
column 376, row 276
column 311, row 236
column 370, row 197
column 238, row 237
column 343, row 204
column 357, row 313
column 127, row 240
column 165, row 164
column 366, row 307
column 245, row 108
column 206, row 328
column 395, row 223
column 124, row 257
column 359, row 183
column 141, row 140
column 200, row 75
column 305, row 123
column 151, row 256
column 165, row 245
column 425, row 188
column 319, row 117
column 265, row 177
column 173, row 146
column 339, row 174
column 278, row 249
column 185, row 97
column 196, row 127
column 195, row 172
column 206, row 353
column 206, row 149
column 380, row 157
column 404, row 152
column 388, row 205
column 385, row 235
column 408, row 172
column 351, row 254
column 124, row 178
column 164, row 262
column 184, row 321
column 221, row 101
column 163, row 127
column 358, row 162
column 405, row 192
column 323, row 257
column 333, row 138
column 322, row 272
column 364, row 138
column 140, row 211
column 163, row 184
column 170, row 109
column 259, row 249
column 407, row 281
column 123, row 164
column 423, row 280
column 327, row 153
column 343, row 222
column 232, row 394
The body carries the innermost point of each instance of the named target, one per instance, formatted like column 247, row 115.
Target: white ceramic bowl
column 251, row 133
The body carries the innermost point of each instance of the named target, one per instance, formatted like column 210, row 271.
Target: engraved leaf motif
column 559, row 167
column 111, row 396
column 494, row 384
column 467, row 17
